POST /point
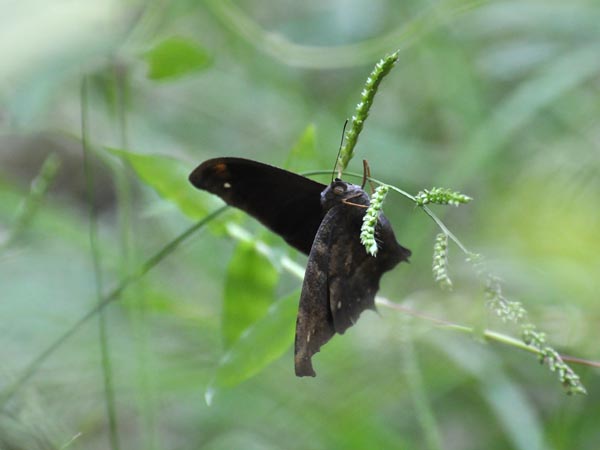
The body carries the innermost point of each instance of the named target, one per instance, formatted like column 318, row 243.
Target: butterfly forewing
column 284, row 202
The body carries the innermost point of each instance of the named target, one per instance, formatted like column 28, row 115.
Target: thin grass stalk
column 109, row 395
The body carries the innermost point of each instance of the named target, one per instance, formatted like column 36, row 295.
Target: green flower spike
column 441, row 196
column 440, row 262
column 367, row 231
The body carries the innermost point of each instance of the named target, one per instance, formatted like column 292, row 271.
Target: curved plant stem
column 488, row 335
column 113, row 295
column 330, row 57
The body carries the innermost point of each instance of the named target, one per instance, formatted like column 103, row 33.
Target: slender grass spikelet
column 382, row 68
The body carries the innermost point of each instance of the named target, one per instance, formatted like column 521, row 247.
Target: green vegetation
column 138, row 313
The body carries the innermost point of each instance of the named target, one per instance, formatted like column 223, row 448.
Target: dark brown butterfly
column 324, row 222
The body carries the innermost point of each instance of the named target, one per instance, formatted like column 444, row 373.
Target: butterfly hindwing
column 341, row 279
column 314, row 324
column 354, row 274
column 286, row 203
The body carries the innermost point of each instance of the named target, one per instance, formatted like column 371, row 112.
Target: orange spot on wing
column 220, row 169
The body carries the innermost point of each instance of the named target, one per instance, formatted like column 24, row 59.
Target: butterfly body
column 341, row 278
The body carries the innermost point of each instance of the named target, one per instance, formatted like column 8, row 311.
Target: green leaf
column 169, row 178
column 249, row 290
column 174, row 57
column 303, row 154
column 259, row 345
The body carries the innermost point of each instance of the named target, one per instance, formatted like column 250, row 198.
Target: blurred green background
column 498, row 99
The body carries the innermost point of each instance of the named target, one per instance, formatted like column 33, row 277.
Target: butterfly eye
column 339, row 189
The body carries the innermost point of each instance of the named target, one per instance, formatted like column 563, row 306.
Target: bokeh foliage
column 495, row 99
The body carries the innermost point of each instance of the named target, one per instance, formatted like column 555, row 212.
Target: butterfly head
column 339, row 191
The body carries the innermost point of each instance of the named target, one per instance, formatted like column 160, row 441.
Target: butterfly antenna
column 337, row 158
